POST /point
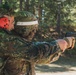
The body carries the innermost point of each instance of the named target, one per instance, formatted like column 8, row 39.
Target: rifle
column 69, row 34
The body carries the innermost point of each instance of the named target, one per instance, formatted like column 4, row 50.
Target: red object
column 4, row 22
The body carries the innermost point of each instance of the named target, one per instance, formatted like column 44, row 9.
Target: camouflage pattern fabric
column 44, row 52
column 24, row 16
column 8, row 45
column 27, row 31
column 18, row 55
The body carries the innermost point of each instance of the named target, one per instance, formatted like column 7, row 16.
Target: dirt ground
column 64, row 66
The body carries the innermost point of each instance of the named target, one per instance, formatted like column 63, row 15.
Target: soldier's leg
column 15, row 66
column 31, row 68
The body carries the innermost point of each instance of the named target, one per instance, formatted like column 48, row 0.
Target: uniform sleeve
column 43, row 52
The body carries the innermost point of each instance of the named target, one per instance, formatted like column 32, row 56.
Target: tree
column 26, row 5
column 0, row 1
column 21, row 4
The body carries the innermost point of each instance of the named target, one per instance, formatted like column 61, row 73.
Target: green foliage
column 50, row 8
column 4, row 8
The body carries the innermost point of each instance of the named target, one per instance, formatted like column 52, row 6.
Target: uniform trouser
column 18, row 66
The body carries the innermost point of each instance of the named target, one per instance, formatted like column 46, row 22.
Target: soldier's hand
column 62, row 44
column 66, row 43
column 70, row 41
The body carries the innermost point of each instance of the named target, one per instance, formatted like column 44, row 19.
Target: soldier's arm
column 16, row 47
column 46, row 52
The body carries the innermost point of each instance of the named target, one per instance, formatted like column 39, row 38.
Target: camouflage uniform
column 9, row 44
column 19, row 55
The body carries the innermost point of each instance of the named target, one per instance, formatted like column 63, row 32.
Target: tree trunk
column 58, row 19
column 0, row 1
column 21, row 4
column 40, row 12
column 27, row 5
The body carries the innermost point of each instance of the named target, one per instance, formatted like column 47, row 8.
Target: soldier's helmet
column 26, row 24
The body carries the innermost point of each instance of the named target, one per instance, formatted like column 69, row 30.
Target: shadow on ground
column 62, row 65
